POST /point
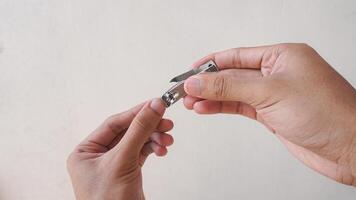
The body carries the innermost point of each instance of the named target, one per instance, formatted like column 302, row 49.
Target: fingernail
column 158, row 106
column 192, row 86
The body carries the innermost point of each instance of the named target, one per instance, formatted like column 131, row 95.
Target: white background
column 66, row 65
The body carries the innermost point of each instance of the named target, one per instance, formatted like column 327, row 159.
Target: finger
column 158, row 149
column 165, row 125
column 111, row 129
column 146, row 149
column 145, row 152
column 189, row 101
column 228, row 107
column 162, row 139
column 245, row 57
column 242, row 73
column 225, row 87
column 142, row 127
column 149, row 148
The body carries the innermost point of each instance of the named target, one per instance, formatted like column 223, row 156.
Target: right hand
column 295, row 93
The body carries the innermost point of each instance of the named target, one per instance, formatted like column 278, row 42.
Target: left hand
column 107, row 164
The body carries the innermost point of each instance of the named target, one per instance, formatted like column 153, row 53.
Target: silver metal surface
column 177, row 91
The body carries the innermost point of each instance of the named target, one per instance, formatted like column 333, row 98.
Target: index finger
column 112, row 127
column 240, row 58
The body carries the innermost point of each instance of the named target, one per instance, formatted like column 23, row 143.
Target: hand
column 107, row 164
column 295, row 93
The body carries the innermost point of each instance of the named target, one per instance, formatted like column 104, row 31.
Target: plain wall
column 66, row 65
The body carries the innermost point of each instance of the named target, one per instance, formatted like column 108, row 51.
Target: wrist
column 352, row 149
column 346, row 159
column 126, row 192
column 353, row 158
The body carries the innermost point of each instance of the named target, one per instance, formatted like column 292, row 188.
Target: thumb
column 142, row 126
column 222, row 86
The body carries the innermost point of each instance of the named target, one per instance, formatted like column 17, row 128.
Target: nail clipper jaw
column 168, row 99
column 174, row 94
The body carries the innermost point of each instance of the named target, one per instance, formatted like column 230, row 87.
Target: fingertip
column 188, row 103
column 158, row 106
column 171, row 141
column 159, row 150
column 162, row 151
column 202, row 61
column 168, row 140
column 162, row 139
column 165, row 125
column 192, row 86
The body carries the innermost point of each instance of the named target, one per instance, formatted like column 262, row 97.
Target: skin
column 289, row 88
column 107, row 164
column 296, row 94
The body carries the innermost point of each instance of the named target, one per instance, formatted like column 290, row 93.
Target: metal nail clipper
column 177, row 91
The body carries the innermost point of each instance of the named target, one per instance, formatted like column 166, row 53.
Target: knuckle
column 295, row 46
column 236, row 58
column 290, row 45
column 304, row 46
column 221, row 87
column 308, row 48
column 285, row 46
column 298, row 50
